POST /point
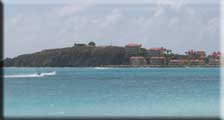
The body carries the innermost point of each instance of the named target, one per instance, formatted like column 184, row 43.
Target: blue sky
column 176, row 24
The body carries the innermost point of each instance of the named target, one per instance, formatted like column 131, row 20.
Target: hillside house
column 80, row 45
column 155, row 52
column 178, row 62
column 133, row 49
column 196, row 54
column 138, row 60
column 157, row 61
column 214, row 59
column 196, row 62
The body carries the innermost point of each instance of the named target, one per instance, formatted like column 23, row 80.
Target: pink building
column 196, row 54
column 138, row 60
column 155, row 52
column 133, row 49
column 214, row 58
column 196, row 62
column 157, row 61
column 178, row 62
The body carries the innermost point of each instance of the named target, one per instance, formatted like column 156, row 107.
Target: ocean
column 112, row 92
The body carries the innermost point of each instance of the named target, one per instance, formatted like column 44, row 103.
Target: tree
column 168, row 55
column 143, row 52
column 92, row 43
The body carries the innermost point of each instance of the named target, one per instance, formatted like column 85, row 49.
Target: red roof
column 155, row 49
column 133, row 45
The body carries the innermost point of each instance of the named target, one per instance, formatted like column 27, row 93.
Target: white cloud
column 211, row 28
column 213, row 21
column 72, row 8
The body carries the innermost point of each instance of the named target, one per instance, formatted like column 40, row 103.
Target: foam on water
column 101, row 68
column 30, row 75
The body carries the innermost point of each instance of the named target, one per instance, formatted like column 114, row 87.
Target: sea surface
column 116, row 92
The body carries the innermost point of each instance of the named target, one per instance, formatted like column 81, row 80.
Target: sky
column 180, row 25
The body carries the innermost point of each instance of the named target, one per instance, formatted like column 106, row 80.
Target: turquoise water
column 111, row 92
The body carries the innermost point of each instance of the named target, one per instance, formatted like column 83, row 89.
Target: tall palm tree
column 168, row 55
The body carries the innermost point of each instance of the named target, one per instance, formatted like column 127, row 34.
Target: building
column 155, row 52
column 201, row 54
column 196, row 54
column 214, row 59
column 157, row 61
column 133, row 49
column 178, row 62
column 196, row 62
column 179, row 57
column 138, row 60
column 79, row 45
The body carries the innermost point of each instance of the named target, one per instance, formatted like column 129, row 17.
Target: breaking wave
column 101, row 68
column 31, row 75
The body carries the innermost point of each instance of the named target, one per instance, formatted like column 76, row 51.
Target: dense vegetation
column 85, row 56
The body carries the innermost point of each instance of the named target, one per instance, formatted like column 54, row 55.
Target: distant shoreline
column 162, row 66
column 111, row 56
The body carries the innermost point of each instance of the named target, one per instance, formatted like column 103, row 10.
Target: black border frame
column 1, row 59
column 68, row 118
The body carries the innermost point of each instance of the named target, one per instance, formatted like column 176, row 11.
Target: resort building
column 201, row 54
column 79, row 45
column 178, row 62
column 179, row 57
column 138, row 60
column 196, row 62
column 133, row 49
column 196, row 54
column 157, row 61
column 155, row 52
column 214, row 59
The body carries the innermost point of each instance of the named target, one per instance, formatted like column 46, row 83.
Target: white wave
column 30, row 75
column 48, row 74
column 101, row 68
